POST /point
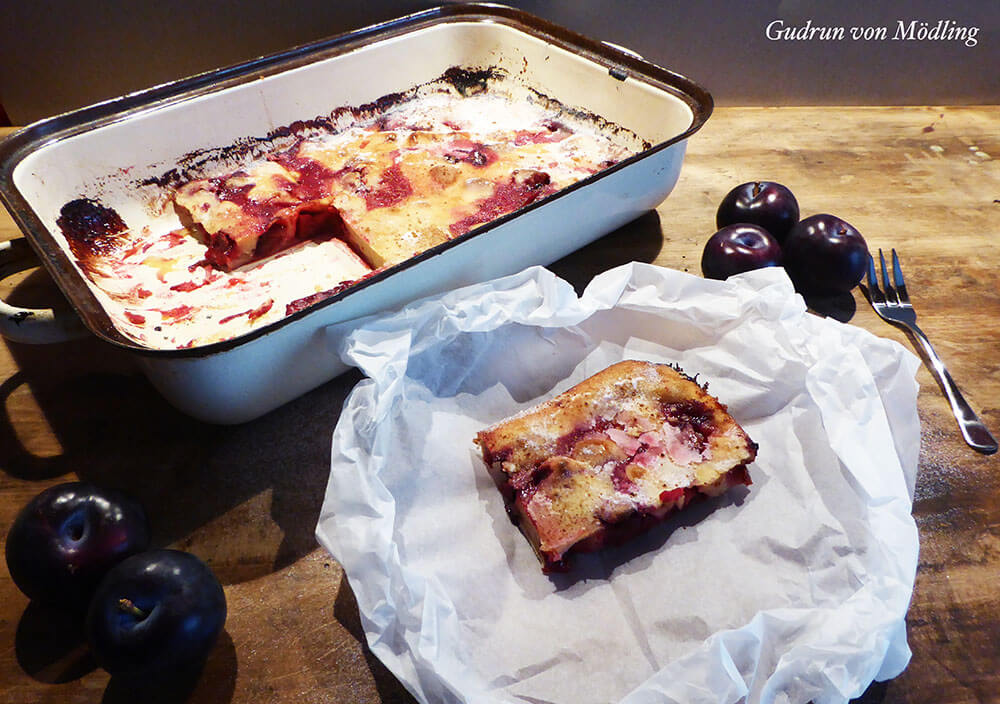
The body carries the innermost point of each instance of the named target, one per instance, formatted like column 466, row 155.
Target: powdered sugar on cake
column 612, row 455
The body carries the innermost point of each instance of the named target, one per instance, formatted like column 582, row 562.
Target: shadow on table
column 82, row 408
column 875, row 694
column 841, row 307
column 345, row 610
column 50, row 645
column 106, row 424
column 638, row 241
column 214, row 683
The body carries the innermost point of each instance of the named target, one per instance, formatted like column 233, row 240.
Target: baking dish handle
column 32, row 325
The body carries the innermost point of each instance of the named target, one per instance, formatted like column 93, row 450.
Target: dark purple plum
column 825, row 255
column 64, row 541
column 764, row 203
column 738, row 248
column 157, row 612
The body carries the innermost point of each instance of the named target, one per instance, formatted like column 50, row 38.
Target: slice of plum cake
column 612, row 456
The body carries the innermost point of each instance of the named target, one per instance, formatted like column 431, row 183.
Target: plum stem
column 128, row 607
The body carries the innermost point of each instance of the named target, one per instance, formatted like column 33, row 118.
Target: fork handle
column 973, row 430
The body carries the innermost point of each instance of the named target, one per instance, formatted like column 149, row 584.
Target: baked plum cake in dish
column 612, row 456
column 319, row 206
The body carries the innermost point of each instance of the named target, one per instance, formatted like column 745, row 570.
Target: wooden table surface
column 924, row 180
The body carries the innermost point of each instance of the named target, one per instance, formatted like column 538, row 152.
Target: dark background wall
column 59, row 54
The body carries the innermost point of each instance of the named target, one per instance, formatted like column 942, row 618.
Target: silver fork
column 894, row 306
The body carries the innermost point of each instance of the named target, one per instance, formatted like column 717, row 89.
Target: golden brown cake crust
column 628, row 445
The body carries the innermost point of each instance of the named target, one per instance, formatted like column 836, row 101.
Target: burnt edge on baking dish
column 16, row 147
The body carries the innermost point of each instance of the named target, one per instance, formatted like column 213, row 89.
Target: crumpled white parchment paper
column 793, row 590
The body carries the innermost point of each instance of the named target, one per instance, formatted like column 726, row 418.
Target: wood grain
column 923, row 180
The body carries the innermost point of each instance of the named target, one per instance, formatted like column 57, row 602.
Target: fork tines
column 891, row 293
column 893, row 305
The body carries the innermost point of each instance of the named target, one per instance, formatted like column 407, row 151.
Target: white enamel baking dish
column 114, row 145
